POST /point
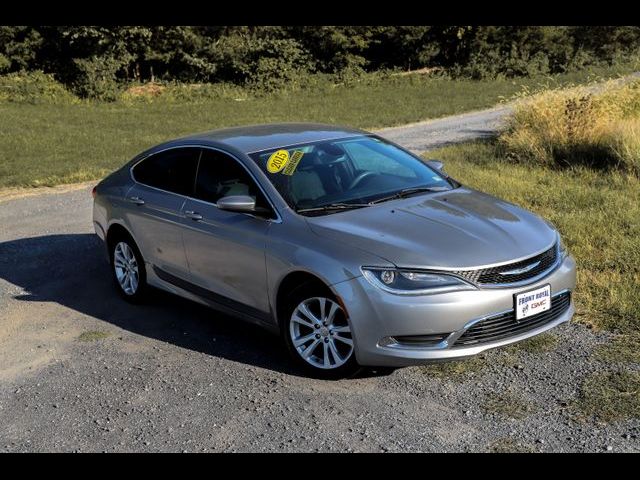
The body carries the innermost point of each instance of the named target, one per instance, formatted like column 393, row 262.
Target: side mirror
column 436, row 165
column 237, row 203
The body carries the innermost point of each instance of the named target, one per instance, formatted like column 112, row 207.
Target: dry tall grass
column 578, row 126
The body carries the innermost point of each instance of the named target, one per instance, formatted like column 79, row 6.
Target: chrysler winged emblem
column 517, row 271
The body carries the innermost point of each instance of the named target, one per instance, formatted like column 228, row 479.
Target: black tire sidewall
column 350, row 369
column 138, row 296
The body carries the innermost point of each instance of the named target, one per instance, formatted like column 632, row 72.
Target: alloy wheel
column 126, row 268
column 320, row 333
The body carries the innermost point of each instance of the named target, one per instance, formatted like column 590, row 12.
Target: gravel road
column 81, row 370
column 422, row 136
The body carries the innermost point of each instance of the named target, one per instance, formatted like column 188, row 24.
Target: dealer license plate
column 533, row 302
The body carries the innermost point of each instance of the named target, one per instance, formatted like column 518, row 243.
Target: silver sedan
column 354, row 250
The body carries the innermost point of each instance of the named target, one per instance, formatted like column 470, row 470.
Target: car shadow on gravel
column 72, row 271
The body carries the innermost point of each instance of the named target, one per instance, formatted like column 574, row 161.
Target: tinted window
column 220, row 175
column 173, row 170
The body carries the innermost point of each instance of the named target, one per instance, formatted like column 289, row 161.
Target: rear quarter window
column 172, row 170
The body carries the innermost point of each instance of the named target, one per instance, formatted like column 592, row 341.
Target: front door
column 226, row 250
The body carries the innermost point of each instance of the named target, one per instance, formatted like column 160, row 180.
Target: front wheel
column 318, row 335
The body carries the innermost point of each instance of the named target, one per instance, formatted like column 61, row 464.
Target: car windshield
column 346, row 172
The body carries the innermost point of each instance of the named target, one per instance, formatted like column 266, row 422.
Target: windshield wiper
column 405, row 192
column 333, row 206
column 348, row 206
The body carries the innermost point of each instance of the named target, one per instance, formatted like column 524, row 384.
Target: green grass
column 455, row 370
column 507, row 404
column 597, row 213
column 610, row 396
column 93, row 335
column 48, row 144
column 545, row 342
column 623, row 349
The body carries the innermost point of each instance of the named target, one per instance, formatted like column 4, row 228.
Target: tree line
column 84, row 57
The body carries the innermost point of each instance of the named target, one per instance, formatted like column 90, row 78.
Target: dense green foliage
column 49, row 136
column 94, row 60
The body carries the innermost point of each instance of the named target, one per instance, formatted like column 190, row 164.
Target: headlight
column 404, row 282
column 562, row 248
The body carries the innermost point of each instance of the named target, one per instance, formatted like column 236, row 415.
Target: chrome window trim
column 278, row 218
column 313, row 142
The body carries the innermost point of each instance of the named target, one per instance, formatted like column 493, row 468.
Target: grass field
column 49, row 144
column 597, row 213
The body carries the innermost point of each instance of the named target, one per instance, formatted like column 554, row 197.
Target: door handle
column 136, row 200
column 193, row 215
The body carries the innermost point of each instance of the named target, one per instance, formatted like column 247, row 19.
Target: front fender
column 296, row 248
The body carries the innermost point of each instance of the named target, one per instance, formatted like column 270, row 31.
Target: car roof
column 254, row 138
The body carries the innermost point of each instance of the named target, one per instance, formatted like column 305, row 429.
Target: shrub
column 263, row 64
column 5, row 63
column 96, row 77
column 33, row 87
column 175, row 92
column 578, row 126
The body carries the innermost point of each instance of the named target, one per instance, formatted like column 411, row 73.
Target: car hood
column 460, row 228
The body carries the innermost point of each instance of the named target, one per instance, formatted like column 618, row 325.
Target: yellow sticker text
column 293, row 162
column 277, row 161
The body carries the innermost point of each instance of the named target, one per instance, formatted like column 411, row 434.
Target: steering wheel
column 358, row 180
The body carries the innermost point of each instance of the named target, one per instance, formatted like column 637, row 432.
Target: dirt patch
column 611, row 396
column 12, row 193
column 93, row 336
column 146, row 90
column 508, row 404
column 29, row 343
column 622, row 349
column 510, row 445
column 419, row 71
column 459, row 370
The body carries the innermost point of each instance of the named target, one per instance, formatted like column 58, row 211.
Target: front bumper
column 377, row 316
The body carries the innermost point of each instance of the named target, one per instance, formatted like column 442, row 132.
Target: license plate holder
column 532, row 302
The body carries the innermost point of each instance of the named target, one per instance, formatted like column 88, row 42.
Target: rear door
column 226, row 250
column 163, row 180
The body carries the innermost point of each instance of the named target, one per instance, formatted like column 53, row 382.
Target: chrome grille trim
column 533, row 269
column 504, row 325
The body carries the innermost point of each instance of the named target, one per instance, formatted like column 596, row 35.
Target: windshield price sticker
column 277, row 161
column 293, row 162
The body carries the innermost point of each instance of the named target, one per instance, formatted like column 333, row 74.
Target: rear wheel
column 318, row 334
column 128, row 269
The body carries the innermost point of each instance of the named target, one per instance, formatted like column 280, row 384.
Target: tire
column 332, row 354
column 128, row 269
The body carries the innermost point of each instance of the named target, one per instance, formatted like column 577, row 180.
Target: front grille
column 421, row 340
column 492, row 275
column 505, row 325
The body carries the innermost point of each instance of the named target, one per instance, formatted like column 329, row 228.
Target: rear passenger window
column 172, row 170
